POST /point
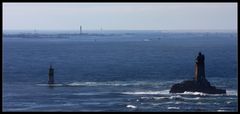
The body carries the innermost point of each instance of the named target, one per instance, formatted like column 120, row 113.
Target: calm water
column 118, row 72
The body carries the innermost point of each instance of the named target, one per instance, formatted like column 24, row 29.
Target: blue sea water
column 117, row 71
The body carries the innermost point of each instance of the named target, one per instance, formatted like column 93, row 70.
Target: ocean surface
column 117, row 71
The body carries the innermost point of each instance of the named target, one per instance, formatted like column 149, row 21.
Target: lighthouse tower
column 200, row 68
column 80, row 30
column 51, row 75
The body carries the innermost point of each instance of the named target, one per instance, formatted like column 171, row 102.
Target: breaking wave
column 175, row 97
column 173, row 108
column 131, row 106
column 232, row 92
column 166, row 92
column 228, row 93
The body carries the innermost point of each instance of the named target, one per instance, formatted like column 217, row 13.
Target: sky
column 120, row 16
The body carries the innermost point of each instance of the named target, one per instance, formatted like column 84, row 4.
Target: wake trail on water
column 111, row 83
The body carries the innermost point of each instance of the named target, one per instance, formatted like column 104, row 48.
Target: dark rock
column 195, row 86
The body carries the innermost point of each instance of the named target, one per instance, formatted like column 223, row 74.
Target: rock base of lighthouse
column 196, row 86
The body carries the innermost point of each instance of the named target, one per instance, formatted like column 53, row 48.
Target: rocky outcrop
column 200, row 83
column 195, row 86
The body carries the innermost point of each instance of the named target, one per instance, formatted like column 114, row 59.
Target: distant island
column 58, row 35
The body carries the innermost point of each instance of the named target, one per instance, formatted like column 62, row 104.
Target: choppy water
column 118, row 72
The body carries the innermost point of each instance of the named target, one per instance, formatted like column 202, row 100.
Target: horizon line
column 120, row 30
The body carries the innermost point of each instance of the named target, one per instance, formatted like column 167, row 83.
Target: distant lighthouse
column 80, row 30
column 51, row 75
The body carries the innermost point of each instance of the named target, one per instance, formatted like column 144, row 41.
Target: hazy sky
column 134, row 16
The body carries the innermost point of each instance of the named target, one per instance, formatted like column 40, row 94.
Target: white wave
column 68, row 104
column 145, row 97
column 174, row 97
column 187, row 98
column 177, row 102
column 76, row 84
column 199, row 94
column 156, row 104
column 221, row 110
column 99, row 84
column 161, row 103
column 173, row 108
column 159, row 98
column 140, row 93
column 131, row 106
column 171, row 97
column 18, row 109
column 228, row 93
column 232, row 92
column 82, row 84
column 147, row 92
column 193, row 93
column 203, row 103
column 228, row 102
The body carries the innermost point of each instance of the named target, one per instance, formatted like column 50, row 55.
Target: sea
column 116, row 71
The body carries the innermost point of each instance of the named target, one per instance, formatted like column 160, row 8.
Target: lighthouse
column 200, row 68
column 51, row 75
column 200, row 83
column 80, row 30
